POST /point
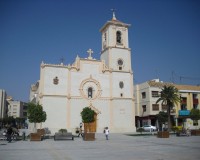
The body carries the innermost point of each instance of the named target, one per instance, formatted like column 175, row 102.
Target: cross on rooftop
column 90, row 51
column 113, row 11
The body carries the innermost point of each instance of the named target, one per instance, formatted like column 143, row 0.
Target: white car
column 149, row 128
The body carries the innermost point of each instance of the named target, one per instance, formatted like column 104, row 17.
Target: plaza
column 118, row 147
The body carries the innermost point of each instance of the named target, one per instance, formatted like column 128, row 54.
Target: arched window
column 119, row 37
column 121, row 84
column 90, row 92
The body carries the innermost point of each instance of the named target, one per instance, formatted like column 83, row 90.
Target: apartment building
column 17, row 108
column 146, row 95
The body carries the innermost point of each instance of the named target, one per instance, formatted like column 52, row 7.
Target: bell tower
column 115, row 45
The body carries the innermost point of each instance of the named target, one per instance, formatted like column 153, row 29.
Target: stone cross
column 113, row 11
column 90, row 53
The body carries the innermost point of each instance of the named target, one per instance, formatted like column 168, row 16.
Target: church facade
column 104, row 85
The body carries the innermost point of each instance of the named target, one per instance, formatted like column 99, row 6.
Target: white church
column 104, row 85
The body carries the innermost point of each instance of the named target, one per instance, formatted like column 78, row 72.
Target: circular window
column 120, row 62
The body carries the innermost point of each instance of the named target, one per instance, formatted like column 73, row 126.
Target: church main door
column 94, row 124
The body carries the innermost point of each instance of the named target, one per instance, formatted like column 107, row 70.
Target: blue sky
column 164, row 37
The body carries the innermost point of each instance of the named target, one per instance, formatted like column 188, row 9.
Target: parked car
column 149, row 128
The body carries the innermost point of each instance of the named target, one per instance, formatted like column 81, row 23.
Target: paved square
column 118, row 147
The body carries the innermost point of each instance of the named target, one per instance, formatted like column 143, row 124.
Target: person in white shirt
column 106, row 131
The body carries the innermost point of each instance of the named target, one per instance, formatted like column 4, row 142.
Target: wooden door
column 93, row 125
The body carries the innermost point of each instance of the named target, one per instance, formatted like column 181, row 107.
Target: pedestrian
column 9, row 134
column 106, row 131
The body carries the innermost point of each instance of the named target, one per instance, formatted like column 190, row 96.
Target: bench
column 63, row 136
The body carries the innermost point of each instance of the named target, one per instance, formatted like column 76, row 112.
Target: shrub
column 140, row 130
column 62, row 130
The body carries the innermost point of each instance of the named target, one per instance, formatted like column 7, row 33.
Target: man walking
column 106, row 131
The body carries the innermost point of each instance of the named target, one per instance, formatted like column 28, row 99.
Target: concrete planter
column 89, row 137
column 163, row 134
column 41, row 132
column 35, row 137
column 195, row 132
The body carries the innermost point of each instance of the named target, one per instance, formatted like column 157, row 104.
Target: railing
column 183, row 101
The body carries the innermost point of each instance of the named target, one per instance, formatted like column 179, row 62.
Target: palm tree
column 169, row 96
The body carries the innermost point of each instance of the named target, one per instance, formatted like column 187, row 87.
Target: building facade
column 104, row 85
column 146, row 95
column 17, row 109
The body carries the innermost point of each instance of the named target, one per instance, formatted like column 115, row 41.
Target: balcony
column 184, row 101
column 195, row 101
column 184, row 112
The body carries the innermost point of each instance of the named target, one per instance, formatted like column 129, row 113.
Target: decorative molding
column 92, row 83
column 94, row 109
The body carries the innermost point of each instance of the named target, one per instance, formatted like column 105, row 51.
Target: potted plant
column 169, row 96
column 176, row 130
column 36, row 115
column 162, row 119
column 195, row 116
column 87, row 115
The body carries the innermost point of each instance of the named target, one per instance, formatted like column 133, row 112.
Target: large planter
column 195, row 132
column 163, row 134
column 35, row 137
column 41, row 132
column 89, row 137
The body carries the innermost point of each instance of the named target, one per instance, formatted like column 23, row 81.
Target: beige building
column 146, row 95
column 105, row 85
column 17, row 109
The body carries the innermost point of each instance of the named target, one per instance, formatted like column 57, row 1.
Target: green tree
column 36, row 113
column 87, row 115
column 169, row 96
column 162, row 118
column 195, row 114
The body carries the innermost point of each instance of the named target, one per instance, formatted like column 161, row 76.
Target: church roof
column 114, row 21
